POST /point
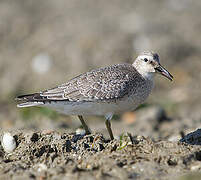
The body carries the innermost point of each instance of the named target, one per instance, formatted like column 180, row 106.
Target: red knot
column 105, row 91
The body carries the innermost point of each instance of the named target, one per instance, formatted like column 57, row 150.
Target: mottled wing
column 112, row 82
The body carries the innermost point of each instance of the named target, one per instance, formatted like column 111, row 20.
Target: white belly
column 128, row 103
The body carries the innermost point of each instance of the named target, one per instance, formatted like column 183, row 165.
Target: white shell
column 8, row 142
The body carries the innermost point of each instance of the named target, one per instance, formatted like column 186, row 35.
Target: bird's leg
column 86, row 128
column 108, row 125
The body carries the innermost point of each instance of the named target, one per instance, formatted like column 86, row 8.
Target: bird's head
column 148, row 63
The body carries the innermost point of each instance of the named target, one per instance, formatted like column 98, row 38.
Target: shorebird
column 105, row 91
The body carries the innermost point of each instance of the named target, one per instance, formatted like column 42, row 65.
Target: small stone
column 129, row 117
column 193, row 138
column 34, row 137
column 101, row 147
column 68, row 146
column 8, row 142
column 86, row 146
column 172, row 162
column 41, row 63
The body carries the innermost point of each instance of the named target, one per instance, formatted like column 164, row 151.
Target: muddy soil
column 56, row 155
column 45, row 43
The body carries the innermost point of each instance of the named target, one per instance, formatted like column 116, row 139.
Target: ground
column 46, row 155
column 46, row 43
column 163, row 152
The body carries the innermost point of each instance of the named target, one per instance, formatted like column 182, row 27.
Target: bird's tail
column 30, row 100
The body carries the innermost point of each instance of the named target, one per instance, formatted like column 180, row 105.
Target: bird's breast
column 137, row 96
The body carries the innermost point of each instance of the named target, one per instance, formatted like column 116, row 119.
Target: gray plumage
column 103, row 84
column 113, row 82
column 104, row 91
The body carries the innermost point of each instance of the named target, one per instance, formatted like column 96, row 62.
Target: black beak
column 160, row 69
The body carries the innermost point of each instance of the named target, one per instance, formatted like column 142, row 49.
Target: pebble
column 41, row 63
column 129, row 117
column 8, row 142
column 193, row 138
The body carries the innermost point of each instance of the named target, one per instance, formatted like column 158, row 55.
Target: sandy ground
column 45, row 43
column 164, row 150
column 54, row 155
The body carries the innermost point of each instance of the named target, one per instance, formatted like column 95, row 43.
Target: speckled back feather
column 107, row 83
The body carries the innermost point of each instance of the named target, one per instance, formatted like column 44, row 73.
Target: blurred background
column 45, row 43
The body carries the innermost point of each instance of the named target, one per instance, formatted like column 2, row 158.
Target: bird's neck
column 148, row 76
column 143, row 72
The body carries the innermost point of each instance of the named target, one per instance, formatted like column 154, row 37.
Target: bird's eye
column 145, row 59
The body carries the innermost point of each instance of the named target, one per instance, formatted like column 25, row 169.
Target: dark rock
column 34, row 137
